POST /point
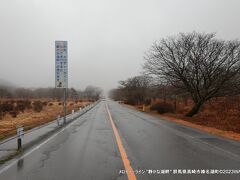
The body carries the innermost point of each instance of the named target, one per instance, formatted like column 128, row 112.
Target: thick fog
column 106, row 38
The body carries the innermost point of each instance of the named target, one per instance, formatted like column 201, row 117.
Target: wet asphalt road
column 87, row 149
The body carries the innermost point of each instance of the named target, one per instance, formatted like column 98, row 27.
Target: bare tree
column 116, row 94
column 196, row 63
column 134, row 89
column 73, row 94
column 93, row 92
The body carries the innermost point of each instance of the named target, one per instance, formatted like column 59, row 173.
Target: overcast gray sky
column 106, row 38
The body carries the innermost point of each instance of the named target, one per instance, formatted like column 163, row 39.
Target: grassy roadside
column 175, row 118
column 31, row 119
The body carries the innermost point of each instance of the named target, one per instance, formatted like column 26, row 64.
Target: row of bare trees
column 197, row 65
column 90, row 92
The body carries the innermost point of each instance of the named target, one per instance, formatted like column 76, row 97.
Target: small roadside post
column 20, row 133
column 61, row 71
column 72, row 113
column 58, row 120
column 64, row 104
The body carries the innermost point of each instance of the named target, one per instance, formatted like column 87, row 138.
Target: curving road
column 113, row 142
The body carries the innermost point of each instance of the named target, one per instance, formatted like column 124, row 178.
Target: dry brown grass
column 208, row 129
column 220, row 116
column 30, row 119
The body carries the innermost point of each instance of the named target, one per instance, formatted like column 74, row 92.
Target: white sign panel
column 20, row 131
column 61, row 64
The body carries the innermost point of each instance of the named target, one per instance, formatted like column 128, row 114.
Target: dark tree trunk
column 194, row 109
column 185, row 101
column 175, row 103
column 164, row 99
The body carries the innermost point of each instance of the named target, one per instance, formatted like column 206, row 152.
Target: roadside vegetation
column 192, row 76
column 32, row 108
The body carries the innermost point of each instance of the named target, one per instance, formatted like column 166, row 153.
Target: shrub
column 1, row 115
column 28, row 104
column 50, row 104
column 147, row 101
column 11, row 102
column 22, row 105
column 6, row 107
column 37, row 106
column 13, row 114
column 44, row 103
column 162, row 108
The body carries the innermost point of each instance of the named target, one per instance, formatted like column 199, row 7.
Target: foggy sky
column 106, row 38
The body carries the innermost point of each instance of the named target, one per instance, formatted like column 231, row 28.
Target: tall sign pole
column 61, row 70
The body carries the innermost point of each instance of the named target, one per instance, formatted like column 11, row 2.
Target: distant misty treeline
column 90, row 92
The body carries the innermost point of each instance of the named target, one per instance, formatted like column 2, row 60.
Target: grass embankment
column 220, row 117
column 32, row 116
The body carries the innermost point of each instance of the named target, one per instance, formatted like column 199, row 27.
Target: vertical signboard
column 61, row 64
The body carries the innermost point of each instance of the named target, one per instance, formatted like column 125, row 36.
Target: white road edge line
column 34, row 149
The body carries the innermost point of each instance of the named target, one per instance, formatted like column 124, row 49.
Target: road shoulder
column 211, row 130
